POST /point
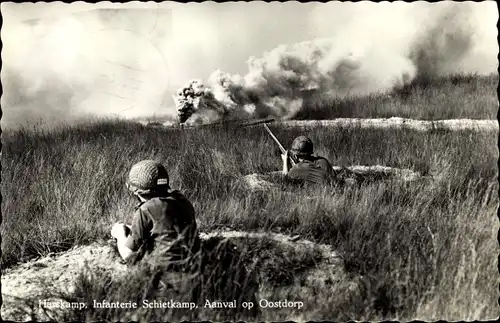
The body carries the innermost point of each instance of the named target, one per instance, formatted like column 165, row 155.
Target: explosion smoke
column 444, row 43
column 292, row 77
column 86, row 64
column 196, row 97
column 122, row 62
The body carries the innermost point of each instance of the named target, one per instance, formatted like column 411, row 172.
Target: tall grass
column 422, row 250
column 450, row 97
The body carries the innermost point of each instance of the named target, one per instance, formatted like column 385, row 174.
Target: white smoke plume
column 445, row 42
column 283, row 80
column 91, row 63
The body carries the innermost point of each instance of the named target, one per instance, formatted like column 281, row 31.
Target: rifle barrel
column 257, row 122
column 283, row 150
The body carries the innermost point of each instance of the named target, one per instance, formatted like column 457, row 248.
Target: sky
column 61, row 60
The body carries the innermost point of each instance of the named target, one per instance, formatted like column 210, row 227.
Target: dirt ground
column 25, row 286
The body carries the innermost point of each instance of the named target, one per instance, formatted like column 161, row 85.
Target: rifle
column 256, row 122
column 283, row 150
column 293, row 160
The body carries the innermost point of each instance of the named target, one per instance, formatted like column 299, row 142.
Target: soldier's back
column 174, row 234
column 316, row 170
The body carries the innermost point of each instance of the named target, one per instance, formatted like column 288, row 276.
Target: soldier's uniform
column 163, row 229
column 165, row 241
column 310, row 168
column 315, row 170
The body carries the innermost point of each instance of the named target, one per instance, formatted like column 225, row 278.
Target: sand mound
column 258, row 182
column 26, row 286
column 376, row 172
column 377, row 123
column 399, row 123
column 23, row 287
column 348, row 175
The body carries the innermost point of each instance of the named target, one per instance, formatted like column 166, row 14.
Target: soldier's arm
column 325, row 164
column 135, row 235
column 286, row 163
column 119, row 232
column 327, row 167
column 295, row 176
column 140, row 230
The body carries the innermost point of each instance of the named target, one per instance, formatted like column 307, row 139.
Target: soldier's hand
column 285, row 156
column 119, row 230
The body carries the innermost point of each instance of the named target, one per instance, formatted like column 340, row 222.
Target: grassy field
column 451, row 97
column 425, row 250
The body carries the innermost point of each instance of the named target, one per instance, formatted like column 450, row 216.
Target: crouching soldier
column 308, row 168
column 163, row 228
column 164, row 236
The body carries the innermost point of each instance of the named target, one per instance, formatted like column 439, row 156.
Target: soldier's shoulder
column 151, row 204
column 176, row 202
column 177, row 199
column 321, row 160
column 301, row 164
column 176, row 196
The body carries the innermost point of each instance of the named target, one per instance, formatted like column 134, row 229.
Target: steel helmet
column 146, row 176
column 302, row 146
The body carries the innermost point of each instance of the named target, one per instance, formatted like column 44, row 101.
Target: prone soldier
column 307, row 168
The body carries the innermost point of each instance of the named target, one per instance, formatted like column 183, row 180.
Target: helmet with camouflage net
column 146, row 176
column 302, row 146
